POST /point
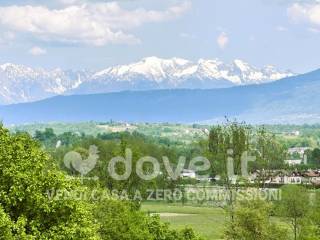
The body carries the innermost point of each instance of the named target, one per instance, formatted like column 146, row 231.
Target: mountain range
column 19, row 83
column 294, row 99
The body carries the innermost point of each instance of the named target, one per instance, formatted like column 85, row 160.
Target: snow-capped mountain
column 19, row 83
column 157, row 73
column 176, row 70
column 293, row 100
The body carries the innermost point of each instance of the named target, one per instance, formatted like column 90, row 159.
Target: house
column 312, row 177
column 292, row 179
column 286, row 178
column 299, row 154
column 292, row 162
column 298, row 150
column 294, row 133
column 282, row 177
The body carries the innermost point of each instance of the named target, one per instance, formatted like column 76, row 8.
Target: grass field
column 209, row 222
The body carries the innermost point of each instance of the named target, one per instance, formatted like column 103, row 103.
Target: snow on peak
column 4, row 66
column 20, row 83
column 177, row 71
column 15, row 67
column 152, row 68
column 242, row 65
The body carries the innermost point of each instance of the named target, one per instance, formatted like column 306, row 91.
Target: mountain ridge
column 291, row 100
column 19, row 83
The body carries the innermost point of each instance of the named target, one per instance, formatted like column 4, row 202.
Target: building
column 283, row 177
column 292, row 162
column 287, row 178
column 298, row 150
column 294, row 133
column 312, row 177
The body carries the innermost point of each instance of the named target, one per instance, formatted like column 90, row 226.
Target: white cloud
column 92, row 23
column 222, row 40
column 37, row 51
column 69, row 2
column 305, row 13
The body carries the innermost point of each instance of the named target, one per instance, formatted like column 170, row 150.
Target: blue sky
column 96, row 34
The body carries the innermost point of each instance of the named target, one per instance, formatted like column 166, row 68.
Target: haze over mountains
column 160, row 90
column 294, row 99
column 20, row 83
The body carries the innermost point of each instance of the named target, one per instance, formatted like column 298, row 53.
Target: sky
column 82, row 34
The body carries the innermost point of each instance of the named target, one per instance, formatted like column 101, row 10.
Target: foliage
column 26, row 174
column 252, row 222
column 31, row 208
column 113, row 145
column 295, row 206
column 310, row 227
column 313, row 157
column 119, row 221
column 127, row 223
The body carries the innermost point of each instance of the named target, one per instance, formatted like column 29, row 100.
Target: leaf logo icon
column 74, row 160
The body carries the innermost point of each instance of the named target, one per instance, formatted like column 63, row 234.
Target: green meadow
column 208, row 221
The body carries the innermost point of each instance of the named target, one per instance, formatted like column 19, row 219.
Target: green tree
column 315, row 214
column 228, row 141
column 35, row 201
column 315, row 157
column 310, row 229
column 6, row 225
column 47, row 137
column 295, row 206
column 269, row 154
column 120, row 220
column 26, row 212
column 252, row 222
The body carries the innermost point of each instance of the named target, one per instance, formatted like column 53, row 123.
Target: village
column 272, row 178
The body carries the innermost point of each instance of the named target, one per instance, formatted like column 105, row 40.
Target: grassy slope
column 209, row 222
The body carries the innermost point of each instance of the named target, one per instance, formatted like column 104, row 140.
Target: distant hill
column 290, row 100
